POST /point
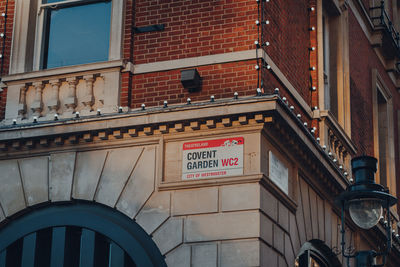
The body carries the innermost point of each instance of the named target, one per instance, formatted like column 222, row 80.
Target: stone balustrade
column 336, row 143
column 64, row 92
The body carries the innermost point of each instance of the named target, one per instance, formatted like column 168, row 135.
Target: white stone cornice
column 70, row 71
column 220, row 59
column 192, row 62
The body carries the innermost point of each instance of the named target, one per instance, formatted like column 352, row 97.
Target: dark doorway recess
column 76, row 234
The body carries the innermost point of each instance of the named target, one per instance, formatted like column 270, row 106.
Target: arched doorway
column 316, row 254
column 76, row 234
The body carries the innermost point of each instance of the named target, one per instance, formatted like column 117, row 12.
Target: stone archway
column 122, row 178
column 316, row 251
column 76, row 234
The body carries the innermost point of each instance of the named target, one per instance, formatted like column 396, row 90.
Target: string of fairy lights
column 261, row 64
column 261, row 20
column 3, row 36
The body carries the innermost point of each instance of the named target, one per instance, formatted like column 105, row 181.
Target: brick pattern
column 200, row 28
column 8, row 32
column 220, row 80
column 126, row 92
column 271, row 82
column 362, row 60
column 128, row 31
column 194, row 28
column 5, row 47
column 3, row 99
column 314, row 60
column 289, row 39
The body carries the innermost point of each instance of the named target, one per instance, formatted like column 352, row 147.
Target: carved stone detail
column 37, row 105
column 22, row 102
column 88, row 99
column 54, row 102
column 70, row 101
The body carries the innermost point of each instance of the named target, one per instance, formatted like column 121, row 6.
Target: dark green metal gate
column 76, row 234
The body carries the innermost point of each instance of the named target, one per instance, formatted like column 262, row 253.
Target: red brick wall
column 366, row 4
column 201, row 28
column 8, row 33
column 362, row 60
column 3, row 98
column 193, row 28
column 289, row 36
column 7, row 46
column 220, row 80
column 128, row 31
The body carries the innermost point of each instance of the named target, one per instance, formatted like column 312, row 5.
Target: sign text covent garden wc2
column 212, row 158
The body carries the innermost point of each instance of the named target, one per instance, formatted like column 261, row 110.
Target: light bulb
column 365, row 212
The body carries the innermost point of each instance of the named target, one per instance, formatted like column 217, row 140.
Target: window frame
column 29, row 29
column 47, row 9
column 335, row 18
column 379, row 88
column 309, row 252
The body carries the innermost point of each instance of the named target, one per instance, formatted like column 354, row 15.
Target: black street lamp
column 366, row 202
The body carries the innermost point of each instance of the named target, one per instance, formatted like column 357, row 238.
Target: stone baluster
column 339, row 152
column 54, row 102
column 88, row 99
column 22, row 102
column 37, row 105
column 346, row 159
column 99, row 100
column 70, row 101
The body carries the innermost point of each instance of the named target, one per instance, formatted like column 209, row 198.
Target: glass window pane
column 51, row 1
column 78, row 35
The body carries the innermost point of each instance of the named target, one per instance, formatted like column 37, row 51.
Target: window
column 316, row 254
column 330, row 92
column 57, row 33
column 310, row 259
column 383, row 120
column 76, row 32
column 333, row 80
column 382, row 137
column 378, row 3
column 329, row 40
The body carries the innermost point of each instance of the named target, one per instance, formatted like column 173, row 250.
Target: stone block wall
column 219, row 222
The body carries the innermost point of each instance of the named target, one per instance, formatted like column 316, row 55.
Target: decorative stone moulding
column 125, row 133
column 64, row 91
column 264, row 115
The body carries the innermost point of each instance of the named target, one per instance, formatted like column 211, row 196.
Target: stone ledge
column 64, row 72
column 150, row 122
column 210, row 182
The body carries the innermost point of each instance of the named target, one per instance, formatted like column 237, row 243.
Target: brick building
column 193, row 133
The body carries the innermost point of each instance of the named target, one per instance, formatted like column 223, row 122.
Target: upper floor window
column 329, row 57
column 333, row 74
column 75, row 32
column 383, row 119
column 58, row 33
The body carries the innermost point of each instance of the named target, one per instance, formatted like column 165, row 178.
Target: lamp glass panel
column 365, row 212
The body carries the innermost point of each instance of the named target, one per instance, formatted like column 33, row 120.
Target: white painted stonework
column 83, row 89
column 239, row 220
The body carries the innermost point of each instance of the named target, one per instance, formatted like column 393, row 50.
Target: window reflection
column 77, row 34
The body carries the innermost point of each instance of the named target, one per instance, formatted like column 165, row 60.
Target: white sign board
column 212, row 158
column 278, row 173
